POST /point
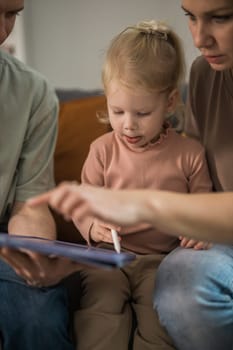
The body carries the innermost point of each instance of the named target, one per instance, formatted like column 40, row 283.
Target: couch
column 78, row 127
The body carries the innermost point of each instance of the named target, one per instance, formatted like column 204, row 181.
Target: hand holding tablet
column 91, row 256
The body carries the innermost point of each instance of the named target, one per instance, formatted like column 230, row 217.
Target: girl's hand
column 192, row 243
column 101, row 232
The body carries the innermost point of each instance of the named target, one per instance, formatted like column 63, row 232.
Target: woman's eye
column 190, row 16
column 222, row 19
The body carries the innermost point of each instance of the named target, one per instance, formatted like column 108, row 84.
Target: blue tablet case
column 98, row 257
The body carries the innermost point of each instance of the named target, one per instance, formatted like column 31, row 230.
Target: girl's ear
column 172, row 101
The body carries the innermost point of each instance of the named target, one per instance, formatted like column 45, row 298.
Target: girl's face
column 211, row 26
column 137, row 116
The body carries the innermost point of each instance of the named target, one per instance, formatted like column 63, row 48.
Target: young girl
column 142, row 73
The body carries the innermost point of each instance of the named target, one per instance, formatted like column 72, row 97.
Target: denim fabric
column 194, row 297
column 32, row 318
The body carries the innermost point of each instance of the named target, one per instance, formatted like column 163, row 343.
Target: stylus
column 116, row 242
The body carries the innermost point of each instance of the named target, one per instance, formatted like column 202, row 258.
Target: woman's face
column 211, row 26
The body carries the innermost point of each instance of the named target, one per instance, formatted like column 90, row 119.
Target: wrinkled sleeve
column 190, row 124
column 35, row 172
column 93, row 174
column 199, row 180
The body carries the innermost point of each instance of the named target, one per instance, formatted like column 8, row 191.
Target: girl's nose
column 130, row 122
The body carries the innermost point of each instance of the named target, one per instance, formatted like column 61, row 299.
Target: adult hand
column 37, row 269
column 123, row 208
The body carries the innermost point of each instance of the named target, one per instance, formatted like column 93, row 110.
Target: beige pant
column 104, row 321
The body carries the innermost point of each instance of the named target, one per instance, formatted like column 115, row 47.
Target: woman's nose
column 202, row 35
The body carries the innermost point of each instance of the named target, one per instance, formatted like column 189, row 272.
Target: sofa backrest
column 78, row 127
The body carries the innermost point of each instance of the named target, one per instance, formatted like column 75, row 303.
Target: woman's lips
column 218, row 59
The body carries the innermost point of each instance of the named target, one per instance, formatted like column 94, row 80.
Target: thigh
column 203, row 272
column 105, row 290
column 142, row 278
column 28, row 313
column 8, row 274
column 149, row 333
column 197, row 283
column 25, row 303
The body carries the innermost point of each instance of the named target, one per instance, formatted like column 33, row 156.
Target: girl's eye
column 118, row 112
column 143, row 114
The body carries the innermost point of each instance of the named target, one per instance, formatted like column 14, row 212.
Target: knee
column 107, row 292
column 190, row 281
column 173, row 278
column 177, row 271
column 188, row 269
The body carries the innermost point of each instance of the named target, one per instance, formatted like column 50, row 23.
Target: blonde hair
column 148, row 55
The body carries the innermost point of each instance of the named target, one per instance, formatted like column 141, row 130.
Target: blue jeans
column 32, row 318
column 194, row 298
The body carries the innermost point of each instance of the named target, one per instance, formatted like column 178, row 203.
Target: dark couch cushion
column 65, row 95
column 78, row 127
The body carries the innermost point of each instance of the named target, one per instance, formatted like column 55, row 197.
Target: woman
column 203, row 287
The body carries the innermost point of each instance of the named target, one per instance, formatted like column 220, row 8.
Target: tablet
column 86, row 255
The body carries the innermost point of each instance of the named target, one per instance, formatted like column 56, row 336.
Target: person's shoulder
column 26, row 82
column 14, row 70
column 15, row 66
column 200, row 68
column 200, row 63
column 187, row 143
column 104, row 141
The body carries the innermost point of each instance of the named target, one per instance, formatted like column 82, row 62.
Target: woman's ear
column 172, row 101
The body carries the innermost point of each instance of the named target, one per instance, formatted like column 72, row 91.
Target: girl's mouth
column 132, row 140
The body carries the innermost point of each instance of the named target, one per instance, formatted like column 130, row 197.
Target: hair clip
column 150, row 28
column 161, row 35
column 158, row 29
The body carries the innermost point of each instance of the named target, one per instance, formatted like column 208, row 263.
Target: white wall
column 66, row 39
